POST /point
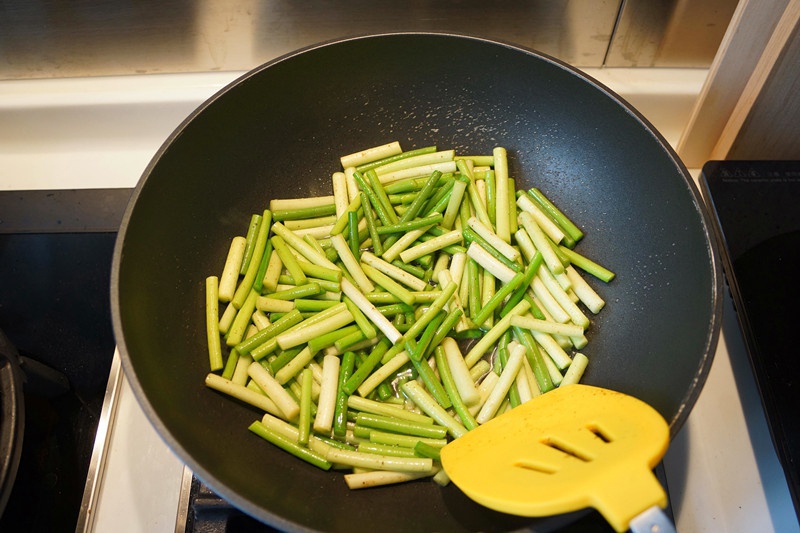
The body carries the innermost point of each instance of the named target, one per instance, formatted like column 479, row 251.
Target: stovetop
column 55, row 253
column 70, row 235
column 758, row 224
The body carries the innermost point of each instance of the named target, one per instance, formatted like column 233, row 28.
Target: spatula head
column 575, row 447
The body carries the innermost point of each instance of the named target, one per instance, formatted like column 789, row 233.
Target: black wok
column 278, row 132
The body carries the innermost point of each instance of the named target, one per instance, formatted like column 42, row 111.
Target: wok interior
column 279, row 132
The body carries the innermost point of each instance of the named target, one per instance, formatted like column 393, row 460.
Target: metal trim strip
column 102, row 438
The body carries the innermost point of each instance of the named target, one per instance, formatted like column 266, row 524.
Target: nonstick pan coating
column 278, row 132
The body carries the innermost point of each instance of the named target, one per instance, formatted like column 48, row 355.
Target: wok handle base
column 653, row 520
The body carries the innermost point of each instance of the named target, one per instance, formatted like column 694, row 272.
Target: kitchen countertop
column 722, row 470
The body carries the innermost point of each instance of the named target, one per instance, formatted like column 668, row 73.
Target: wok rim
column 700, row 206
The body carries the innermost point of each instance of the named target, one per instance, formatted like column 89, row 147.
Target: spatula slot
column 565, row 448
column 540, row 468
column 599, row 433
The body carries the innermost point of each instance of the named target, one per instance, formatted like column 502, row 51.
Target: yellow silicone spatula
column 575, row 447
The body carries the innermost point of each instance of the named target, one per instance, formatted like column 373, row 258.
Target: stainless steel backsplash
column 53, row 38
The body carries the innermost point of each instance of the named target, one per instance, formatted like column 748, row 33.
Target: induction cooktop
column 55, row 267
column 757, row 222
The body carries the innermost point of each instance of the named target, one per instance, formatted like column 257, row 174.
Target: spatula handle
column 653, row 520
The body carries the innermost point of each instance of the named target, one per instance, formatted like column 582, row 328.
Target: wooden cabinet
column 749, row 107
